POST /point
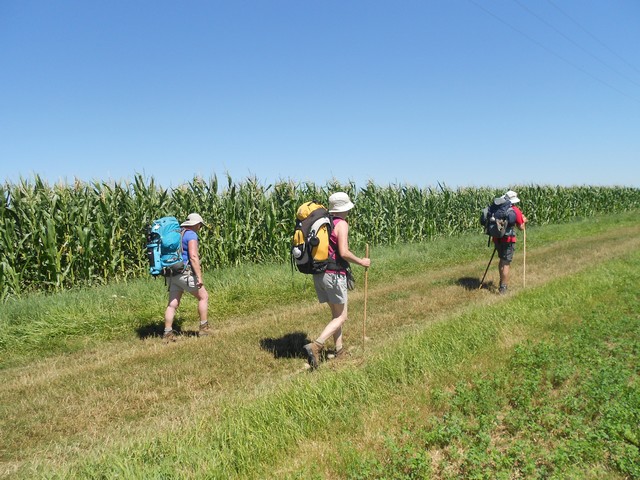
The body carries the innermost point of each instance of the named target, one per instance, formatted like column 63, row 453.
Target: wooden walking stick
column 366, row 285
column 524, row 259
column 487, row 269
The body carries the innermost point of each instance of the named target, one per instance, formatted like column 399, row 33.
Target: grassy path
column 554, row 393
column 127, row 394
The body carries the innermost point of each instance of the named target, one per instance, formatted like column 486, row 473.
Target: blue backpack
column 164, row 247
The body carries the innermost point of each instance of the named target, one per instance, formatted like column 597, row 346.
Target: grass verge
column 561, row 401
column 38, row 326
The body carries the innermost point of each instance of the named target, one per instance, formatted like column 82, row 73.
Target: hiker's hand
column 365, row 262
column 199, row 283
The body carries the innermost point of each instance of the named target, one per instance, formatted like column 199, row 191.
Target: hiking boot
column 170, row 336
column 204, row 329
column 313, row 350
column 502, row 290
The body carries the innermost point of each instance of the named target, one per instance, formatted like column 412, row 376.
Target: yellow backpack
column 310, row 242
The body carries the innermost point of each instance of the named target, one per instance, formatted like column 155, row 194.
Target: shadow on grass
column 156, row 330
column 473, row 283
column 287, row 346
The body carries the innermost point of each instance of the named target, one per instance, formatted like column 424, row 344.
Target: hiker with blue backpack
column 500, row 226
column 332, row 284
column 187, row 279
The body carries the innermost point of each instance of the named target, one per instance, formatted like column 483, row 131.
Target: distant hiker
column 331, row 285
column 505, row 246
column 189, row 280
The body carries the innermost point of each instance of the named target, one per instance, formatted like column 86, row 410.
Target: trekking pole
column 366, row 285
column 524, row 259
column 487, row 269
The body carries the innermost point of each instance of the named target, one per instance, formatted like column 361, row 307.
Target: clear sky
column 419, row 92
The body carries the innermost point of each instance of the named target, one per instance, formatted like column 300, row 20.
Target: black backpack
column 498, row 218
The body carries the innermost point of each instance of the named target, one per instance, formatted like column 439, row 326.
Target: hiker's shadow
column 156, row 330
column 473, row 283
column 287, row 346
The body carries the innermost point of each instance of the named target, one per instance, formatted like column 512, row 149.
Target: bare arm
column 194, row 260
column 342, row 232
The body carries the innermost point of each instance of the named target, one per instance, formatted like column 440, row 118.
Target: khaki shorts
column 184, row 282
column 331, row 288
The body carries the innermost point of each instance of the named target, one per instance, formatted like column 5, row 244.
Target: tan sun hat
column 192, row 220
column 340, row 202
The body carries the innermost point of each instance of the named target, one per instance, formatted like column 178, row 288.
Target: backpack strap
column 510, row 232
column 321, row 221
column 338, row 263
column 182, row 232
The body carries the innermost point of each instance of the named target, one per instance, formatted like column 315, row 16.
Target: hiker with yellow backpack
column 331, row 269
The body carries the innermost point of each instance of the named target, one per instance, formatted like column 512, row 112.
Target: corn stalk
column 65, row 236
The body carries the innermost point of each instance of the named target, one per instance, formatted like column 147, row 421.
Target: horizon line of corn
column 61, row 236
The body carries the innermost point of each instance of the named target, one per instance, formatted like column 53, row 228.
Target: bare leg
column 170, row 312
column 337, row 335
column 334, row 327
column 203, row 303
column 504, row 272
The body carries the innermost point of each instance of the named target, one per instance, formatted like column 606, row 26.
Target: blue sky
column 457, row 92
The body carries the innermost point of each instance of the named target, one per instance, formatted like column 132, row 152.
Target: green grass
column 565, row 406
column 40, row 324
column 564, row 403
column 454, row 382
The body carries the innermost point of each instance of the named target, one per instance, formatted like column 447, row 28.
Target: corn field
column 71, row 235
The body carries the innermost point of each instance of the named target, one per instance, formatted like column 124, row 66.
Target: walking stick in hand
column 524, row 259
column 366, row 285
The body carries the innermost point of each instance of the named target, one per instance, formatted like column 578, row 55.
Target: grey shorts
column 505, row 251
column 331, row 288
column 184, row 282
